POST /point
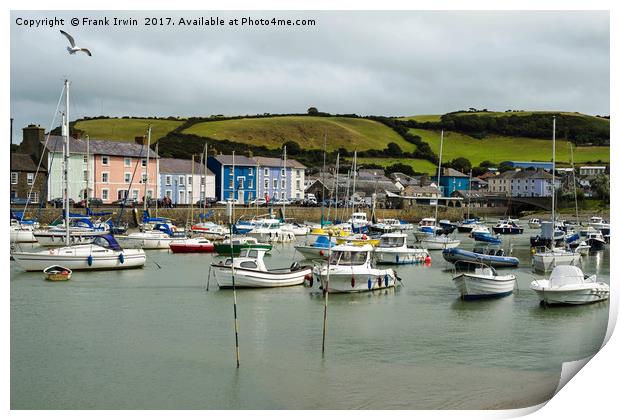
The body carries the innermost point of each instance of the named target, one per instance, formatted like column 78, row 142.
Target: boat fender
column 379, row 280
column 89, row 260
column 321, row 253
column 427, row 260
column 121, row 258
column 353, row 281
column 369, row 283
column 397, row 258
column 387, row 280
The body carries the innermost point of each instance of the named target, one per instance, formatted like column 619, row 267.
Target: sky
column 367, row 63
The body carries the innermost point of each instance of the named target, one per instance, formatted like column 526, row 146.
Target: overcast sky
column 382, row 63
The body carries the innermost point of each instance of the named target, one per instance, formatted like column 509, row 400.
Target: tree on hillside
column 312, row 111
column 487, row 164
column 400, row 167
column 460, row 164
column 393, row 150
column 292, row 147
column 600, row 185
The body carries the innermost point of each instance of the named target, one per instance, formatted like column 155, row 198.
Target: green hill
column 500, row 148
column 308, row 132
column 126, row 129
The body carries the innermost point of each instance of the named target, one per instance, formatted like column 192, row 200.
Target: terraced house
column 526, row 183
column 235, row 178
column 277, row 181
column 185, row 181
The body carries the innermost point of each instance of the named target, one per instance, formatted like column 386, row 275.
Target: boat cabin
column 249, row 259
column 392, row 240
column 427, row 221
column 350, row 255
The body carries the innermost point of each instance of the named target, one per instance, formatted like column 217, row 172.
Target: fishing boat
column 350, row 269
column 249, row 270
column 57, row 273
column 546, row 259
column 482, row 281
column 193, row 245
column 467, row 225
column 437, row 242
column 568, row 285
column 534, row 223
column 317, row 249
column 426, row 227
column 239, row 243
column 479, row 228
column 507, row 228
column 598, row 223
column 359, row 222
column 104, row 253
column 596, row 240
column 393, row 249
column 490, row 255
column 487, row 238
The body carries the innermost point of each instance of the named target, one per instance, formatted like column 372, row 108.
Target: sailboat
column 102, row 253
column 436, row 242
column 547, row 259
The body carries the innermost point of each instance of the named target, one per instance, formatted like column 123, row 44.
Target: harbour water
column 154, row 338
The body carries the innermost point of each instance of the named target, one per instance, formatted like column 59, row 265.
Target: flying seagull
column 73, row 49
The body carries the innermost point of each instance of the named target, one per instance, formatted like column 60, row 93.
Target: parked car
column 257, row 202
column 125, row 202
column 224, row 202
column 59, row 202
column 206, row 202
column 92, row 202
column 281, row 202
column 20, row 201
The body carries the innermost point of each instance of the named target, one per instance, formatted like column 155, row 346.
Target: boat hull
column 145, row 243
column 78, row 260
column 22, row 236
column 400, row 257
column 58, row 238
column 472, row 286
column 544, row 263
column 346, row 282
column 461, row 256
column 433, row 245
column 508, row 231
column 579, row 296
column 224, row 249
column 259, row 279
column 312, row 252
column 187, row 249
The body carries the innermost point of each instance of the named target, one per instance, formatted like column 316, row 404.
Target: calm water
column 155, row 339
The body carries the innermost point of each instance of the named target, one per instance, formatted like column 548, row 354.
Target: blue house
column 241, row 184
column 547, row 166
column 275, row 181
column 452, row 180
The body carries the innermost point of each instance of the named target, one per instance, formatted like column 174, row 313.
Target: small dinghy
column 438, row 242
column 57, row 273
column 250, row 271
column 482, row 281
column 192, row 245
column 491, row 256
column 486, row 237
column 567, row 285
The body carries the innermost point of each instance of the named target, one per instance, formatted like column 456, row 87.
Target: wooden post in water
column 230, row 205
column 326, row 292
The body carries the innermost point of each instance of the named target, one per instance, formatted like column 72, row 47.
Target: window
column 144, row 178
column 120, row 194
column 168, row 180
column 202, row 180
column 144, row 163
column 127, row 177
column 105, row 177
column 33, row 197
column 14, row 178
column 266, row 184
column 189, row 180
column 85, row 158
column 168, row 193
column 250, row 183
column 283, row 184
column 230, row 170
column 275, row 195
column 105, row 160
column 240, row 183
column 266, row 171
column 86, row 175
column 134, row 194
column 105, row 194
column 282, row 172
column 250, row 171
column 30, row 178
column 298, row 184
column 230, row 183
column 181, row 180
column 275, row 184
column 298, row 172
column 230, row 195
column 248, row 264
column 127, row 162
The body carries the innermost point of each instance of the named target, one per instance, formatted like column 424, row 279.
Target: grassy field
column 308, row 132
column 423, row 118
column 126, row 129
column 497, row 148
column 418, row 165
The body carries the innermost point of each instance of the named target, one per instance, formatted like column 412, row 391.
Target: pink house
column 119, row 170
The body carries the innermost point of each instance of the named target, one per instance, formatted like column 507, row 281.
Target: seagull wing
column 86, row 51
column 69, row 37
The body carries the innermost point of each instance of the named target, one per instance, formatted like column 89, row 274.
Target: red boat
column 192, row 245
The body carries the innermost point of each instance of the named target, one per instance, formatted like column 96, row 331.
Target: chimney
column 141, row 140
column 250, row 154
column 32, row 143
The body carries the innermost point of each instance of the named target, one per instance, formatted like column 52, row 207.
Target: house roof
column 504, row 175
column 239, row 160
column 538, row 174
column 416, row 189
column 479, row 181
column 453, row 172
column 181, row 166
column 276, row 162
column 100, row 147
column 469, row 194
column 23, row 162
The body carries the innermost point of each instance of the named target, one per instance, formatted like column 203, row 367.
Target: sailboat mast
column 572, row 162
column 354, row 176
column 206, row 171
column 553, row 181
column 439, row 178
column 87, row 169
column 66, row 159
column 285, row 189
column 336, row 187
column 323, row 180
column 146, row 180
column 469, row 194
column 157, row 180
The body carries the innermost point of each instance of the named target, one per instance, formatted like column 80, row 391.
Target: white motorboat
column 209, row 230
column 295, row 228
column 151, row 239
column 393, row 249
column 482, row 282
column 249, row 270
column 568, row 285
column 480, row 229
column 397, row 225
column 534, row 223
column 437, row 242
column 350, row 269
column 595, row 239
column 103, row 253
column 316, row 249
column 22, row 233
column 598, row 223
column 546, row 259
column 269, row 230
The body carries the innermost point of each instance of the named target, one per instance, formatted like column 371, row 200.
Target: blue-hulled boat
column 486, row 237
column 491, row 256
